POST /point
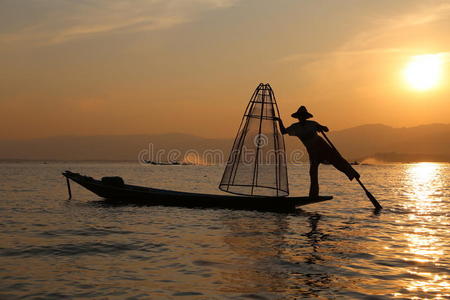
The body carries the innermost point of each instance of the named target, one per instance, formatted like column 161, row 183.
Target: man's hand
column 282, row 128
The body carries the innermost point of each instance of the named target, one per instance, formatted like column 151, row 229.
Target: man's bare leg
column 342, row 165
column 314, row 176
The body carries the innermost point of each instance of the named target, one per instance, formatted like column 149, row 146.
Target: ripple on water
column 90, row 231
column 86, row 248
column 92, row 248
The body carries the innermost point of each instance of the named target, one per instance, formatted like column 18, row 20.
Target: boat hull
column 125, row 193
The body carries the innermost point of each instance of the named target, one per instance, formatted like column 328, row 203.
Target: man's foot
column 355, row 175
column 352, row 174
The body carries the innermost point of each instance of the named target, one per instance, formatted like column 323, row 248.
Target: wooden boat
column 254, row 185
column 114, row 189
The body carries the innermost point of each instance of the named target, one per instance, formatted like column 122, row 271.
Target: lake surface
column 54, row 248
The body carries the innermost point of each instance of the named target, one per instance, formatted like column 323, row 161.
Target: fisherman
column 319, row 150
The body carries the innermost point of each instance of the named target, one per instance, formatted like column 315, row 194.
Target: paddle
column 369, row 195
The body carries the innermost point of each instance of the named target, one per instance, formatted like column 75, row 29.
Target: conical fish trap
column 257, row 162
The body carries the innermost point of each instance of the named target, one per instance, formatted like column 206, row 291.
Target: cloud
column 368, row 42
column 386, row 27
column 317, row 55
column 423, row 15
column 366, row 67
column 57, row 21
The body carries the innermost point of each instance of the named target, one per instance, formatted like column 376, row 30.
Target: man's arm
column 322, row 128
column 282, row 128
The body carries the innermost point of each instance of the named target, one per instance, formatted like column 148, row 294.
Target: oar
column 369, row 194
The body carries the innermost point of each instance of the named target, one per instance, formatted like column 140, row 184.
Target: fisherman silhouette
column 319, row 150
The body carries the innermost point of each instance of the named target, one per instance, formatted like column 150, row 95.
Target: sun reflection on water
column 425, row 180
column 425, row 185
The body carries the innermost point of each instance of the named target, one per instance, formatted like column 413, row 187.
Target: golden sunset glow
column 123, row 67
column 424, row 72
column 425, row 179
column 423, row 173
column 225, row 149
column 426, row 182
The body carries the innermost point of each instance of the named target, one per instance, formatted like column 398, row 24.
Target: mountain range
column 367, row 142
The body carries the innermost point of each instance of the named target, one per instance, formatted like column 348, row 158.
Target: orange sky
column 124, row 67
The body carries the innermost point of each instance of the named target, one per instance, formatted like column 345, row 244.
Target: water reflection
column 258, row 242
column 426, row 191
column 274, row 258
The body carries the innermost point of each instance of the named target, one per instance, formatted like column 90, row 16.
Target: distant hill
column 381, row 142
column 109, row 147
column 425, row 142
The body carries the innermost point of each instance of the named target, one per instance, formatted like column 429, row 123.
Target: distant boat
column 169, row 163
column 113, row 189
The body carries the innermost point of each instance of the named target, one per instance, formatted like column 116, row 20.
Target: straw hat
column 302, row 113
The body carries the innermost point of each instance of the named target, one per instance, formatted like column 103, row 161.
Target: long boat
column 115, row 190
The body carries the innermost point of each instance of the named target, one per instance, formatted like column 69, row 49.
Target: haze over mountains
column 383, row 143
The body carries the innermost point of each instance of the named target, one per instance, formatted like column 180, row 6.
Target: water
column 54, row 248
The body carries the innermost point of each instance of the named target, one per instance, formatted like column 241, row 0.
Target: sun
column 423, row 72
